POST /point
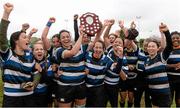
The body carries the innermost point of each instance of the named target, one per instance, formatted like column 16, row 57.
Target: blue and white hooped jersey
column 73, row 68
column 156, row 75
column 97, row 70
column 132, row 59
column 173, row 59
column 17, row 70
column 112, row 77
column 108, row 49
column 42, row 86
column 51, row 54
column 142, row 57
column 173, row 74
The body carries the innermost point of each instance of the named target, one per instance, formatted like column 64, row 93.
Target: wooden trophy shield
column 90, row 22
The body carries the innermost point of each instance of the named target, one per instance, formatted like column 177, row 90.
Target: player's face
column 176, row 40
column 98, row 48
column 65, row 39
column 38, row 51
column 152, row 48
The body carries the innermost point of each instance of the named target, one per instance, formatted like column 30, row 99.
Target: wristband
column 49, row 24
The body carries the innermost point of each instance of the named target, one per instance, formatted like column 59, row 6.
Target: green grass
column 1, row 89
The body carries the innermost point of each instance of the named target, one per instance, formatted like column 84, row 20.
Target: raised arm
column 33, row 31
column 123, row 29
column 98, row 35
column 4, row 26
column 7, row 10
column 46, row 42
column 76, row 31
column 108, row 24
column 76, row 47
column 163, row 42
column 120, row 63
column 164, row 29
column 25, row 26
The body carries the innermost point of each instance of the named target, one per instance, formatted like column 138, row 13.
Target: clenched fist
column 163, row 27
column 25, row 26
column 8, row 7
column 52, row 20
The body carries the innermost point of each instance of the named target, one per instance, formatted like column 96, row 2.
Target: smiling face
column 65, row 39
column 117, row 42
column 118, row 46
column 23, row 42
column 112, row 38
column 86, row 39
column 152, row 48
column 56, row 42
column 98, row 49
column 176, row 40
column 38, row 51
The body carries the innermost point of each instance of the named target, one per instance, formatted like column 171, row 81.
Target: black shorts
column 51, row 91
column 161, row 100
column 96, row 97
column 175, row 89
column 128, row 84
column 67, row 94
column 18, row 101
column 40, row 100
column 112, row 94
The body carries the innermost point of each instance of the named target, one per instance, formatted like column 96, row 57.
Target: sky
column 147, row 14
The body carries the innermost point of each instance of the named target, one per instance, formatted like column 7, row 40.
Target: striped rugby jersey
column 97, row 69
column 156, row 75
column 73, row 68
column 155, row 69
column 112, row 77
column 132, row 59
column 17, row 70
column 173, row 59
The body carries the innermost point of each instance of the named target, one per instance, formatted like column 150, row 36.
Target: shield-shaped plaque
column 90, row 22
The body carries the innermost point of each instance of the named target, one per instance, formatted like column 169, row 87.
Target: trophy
column 132, row 32
column 90, row 23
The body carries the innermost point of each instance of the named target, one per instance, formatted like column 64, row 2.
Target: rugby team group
column 88, row 72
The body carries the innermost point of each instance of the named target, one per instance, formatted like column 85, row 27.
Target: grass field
column 1, row 89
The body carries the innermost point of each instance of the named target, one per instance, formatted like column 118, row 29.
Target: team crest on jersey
column 62, row 99
column 101, row 64
column 27, row 54
column 110, row 55
column 88, row 61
